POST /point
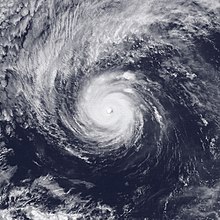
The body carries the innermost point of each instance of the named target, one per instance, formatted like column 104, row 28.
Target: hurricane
column 109, row 109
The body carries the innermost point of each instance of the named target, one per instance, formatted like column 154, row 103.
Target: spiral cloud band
column 109, row 109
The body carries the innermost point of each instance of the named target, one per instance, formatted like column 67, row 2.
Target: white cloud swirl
column 109, row 111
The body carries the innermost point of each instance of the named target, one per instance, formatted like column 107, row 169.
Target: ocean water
column 109, row 109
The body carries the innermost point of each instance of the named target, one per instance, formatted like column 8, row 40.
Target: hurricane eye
column 109, row 110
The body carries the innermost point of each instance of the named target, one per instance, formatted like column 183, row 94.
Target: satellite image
column 109, row 109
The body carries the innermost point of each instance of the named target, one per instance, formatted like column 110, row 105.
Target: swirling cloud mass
column 109, row 109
